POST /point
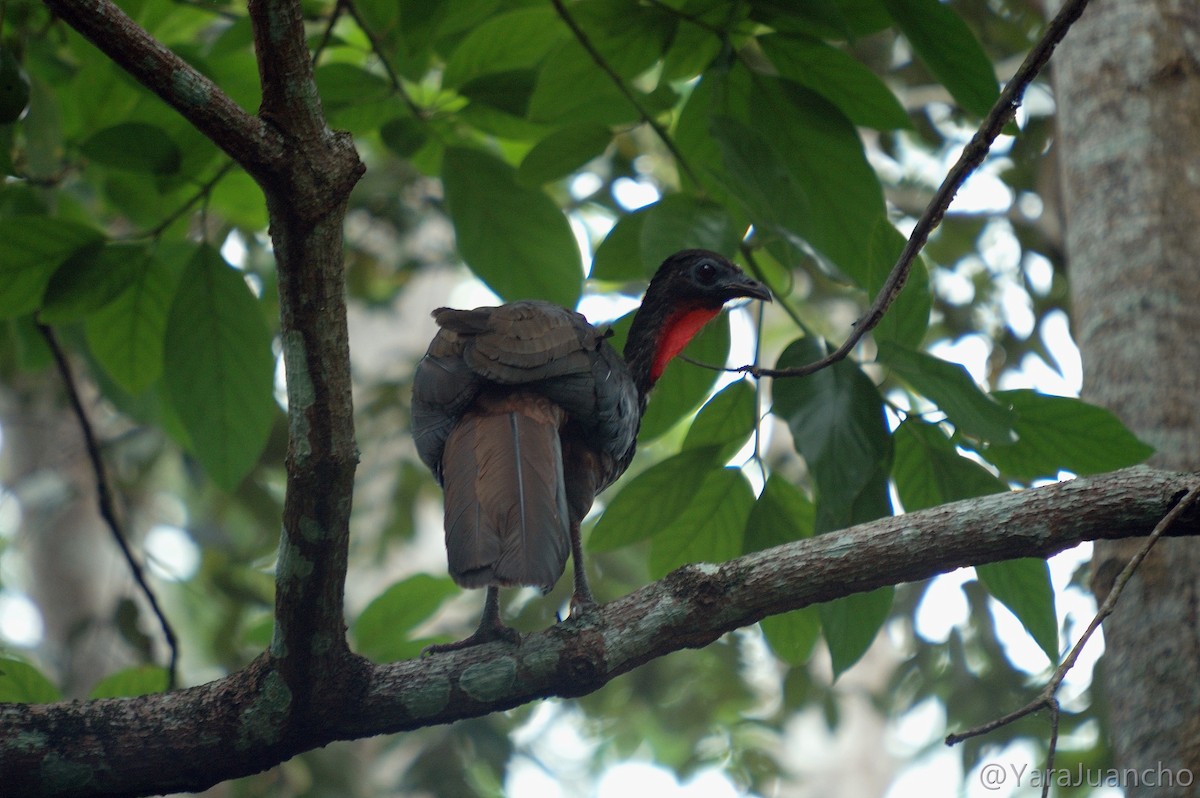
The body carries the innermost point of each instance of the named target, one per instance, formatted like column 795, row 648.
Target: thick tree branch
column 306, row 172
column 143, row 745
column 244, row 137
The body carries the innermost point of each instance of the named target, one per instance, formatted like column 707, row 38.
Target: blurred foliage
column 808, row 134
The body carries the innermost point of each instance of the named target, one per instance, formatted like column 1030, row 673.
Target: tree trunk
column 1127, row 81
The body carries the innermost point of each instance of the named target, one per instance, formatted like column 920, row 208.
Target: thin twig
column 327, row 34
column 104, row 498
column 377, row 48
column 1047, row 698
column 204, row 191
column 972, row 156
column 662, row 133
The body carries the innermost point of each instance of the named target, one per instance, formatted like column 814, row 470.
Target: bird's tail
column 506, row 506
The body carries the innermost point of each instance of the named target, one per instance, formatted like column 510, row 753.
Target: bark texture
column 1128, row 87
column 187, row 740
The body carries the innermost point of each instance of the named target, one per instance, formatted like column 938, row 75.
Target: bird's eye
column 706, row 272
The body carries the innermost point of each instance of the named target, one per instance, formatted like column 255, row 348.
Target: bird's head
column 689, row 289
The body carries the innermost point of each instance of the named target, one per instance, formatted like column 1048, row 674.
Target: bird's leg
column 491, row 628
column 581, row 599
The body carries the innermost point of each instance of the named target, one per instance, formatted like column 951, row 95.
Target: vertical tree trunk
column 1127, row 81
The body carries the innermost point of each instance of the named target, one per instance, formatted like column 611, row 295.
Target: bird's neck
column 657, row 335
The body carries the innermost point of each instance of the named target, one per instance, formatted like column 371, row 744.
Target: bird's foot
column 486, row 633
column 582, row 604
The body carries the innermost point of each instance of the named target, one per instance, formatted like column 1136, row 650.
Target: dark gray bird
column 524, row 413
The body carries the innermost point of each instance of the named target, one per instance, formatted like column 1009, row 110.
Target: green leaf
column 629, row 38
column 792, row 635
column 651, row 501
column 515, row 40
column 383, row 632
column 218, row 369
column 1056, row 433
column 90, row 279
column 945, row 44
column 126, row 336
column 837, row 422
column 619, row 256
column 513, row 237
column 680, row 221
column 824, row 155
column 725, row 421
column 949, row 385
column 781, row 515
column 758, row 179
column 838, row 77
column 928, row 471
column 907, row 319
column 1024, row 587
column 31, row 249
column 135, row 147
column 404, row 135
column 133, row 681
column 21, row 683
column 851, row 624
column 710, row 528
column 341, row 85
column 562, row 152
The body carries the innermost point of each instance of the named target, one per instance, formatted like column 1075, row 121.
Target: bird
column 524, row 413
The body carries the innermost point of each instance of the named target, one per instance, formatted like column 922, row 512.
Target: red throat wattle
column 680, row 328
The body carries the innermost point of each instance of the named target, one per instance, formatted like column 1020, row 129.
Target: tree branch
column 140, row 746
column 105, row 503
column 1048, row 697
column 243, row 137
column 972, row 156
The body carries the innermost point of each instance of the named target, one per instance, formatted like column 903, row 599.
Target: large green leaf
column 950, row 50
column 562, row 152
column 1057, row 433
column 218, row 369
column 709, row 528
column 31, row 249
column 619, row 256
column 91, row 279
column 1024, row 587
column 824, row 154
column 136, row 147
column 973, row 413
column 630, row 38
column 837, row 422
column 929, row 471
column 783, row 514
column 383, row 631
column 514, row 237
column 651, row 501
column 725, row 421
column 851, row 623
column 758, row 179
column 21, row 683
column 518, row 39
column 680, row 221
column 838, row 77
column 127, row 335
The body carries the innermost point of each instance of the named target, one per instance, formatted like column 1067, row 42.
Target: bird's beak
column 748, row 287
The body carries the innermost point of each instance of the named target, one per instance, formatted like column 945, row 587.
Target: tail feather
column 506, row 505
